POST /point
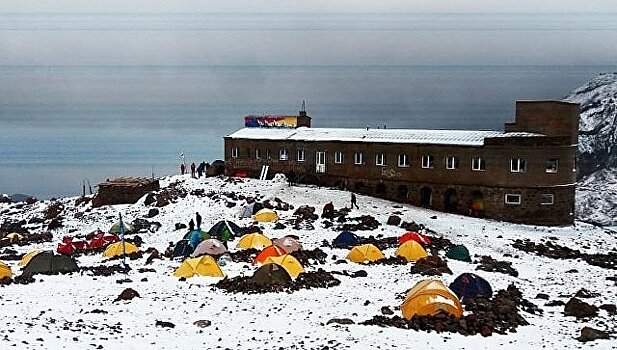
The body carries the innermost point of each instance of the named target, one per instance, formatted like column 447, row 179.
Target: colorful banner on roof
column 270, row 121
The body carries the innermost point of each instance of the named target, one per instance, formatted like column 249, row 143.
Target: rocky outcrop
column 125, row 190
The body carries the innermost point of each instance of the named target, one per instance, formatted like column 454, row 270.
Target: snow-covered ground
column 54, row 312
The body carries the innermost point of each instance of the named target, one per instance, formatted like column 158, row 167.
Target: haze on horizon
column 314, row 6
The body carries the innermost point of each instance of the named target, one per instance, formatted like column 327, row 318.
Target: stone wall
column 123, row 191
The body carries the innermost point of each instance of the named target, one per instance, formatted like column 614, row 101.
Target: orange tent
column 267, row 252
column 414, row 236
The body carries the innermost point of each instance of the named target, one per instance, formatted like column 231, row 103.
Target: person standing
column 354, row 201
column 193, row 170
column 198, row 220
column 182, row 168
column 191, row 225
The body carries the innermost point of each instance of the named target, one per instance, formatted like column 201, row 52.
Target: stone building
column 524, row 174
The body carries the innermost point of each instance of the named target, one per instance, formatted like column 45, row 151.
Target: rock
column 555, row 303
column 31, row 200
column 394, row 220
column 572, row 271
column 542, row 296
column 579, row 309
column 154, row 255
column 55, row 224
column 230, row 204
column 150, row 198
column 610, row 308
column 36, row 220
column 367, row 302
column 434, row 217
column 202, row 323
column 164, row 324
column 359, row 273
column 340, row 321
column 386, row 311
column 279, row 226
column 127, row 294
column 152, row 213
column 180, row 226
column 5, row 199
column 487, row 263
column 584, row 293
column 591, row 334
column 431, row 265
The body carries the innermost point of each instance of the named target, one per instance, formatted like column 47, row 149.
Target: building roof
column 415, row 136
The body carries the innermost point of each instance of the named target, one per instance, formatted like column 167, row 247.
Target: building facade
column 524, row 174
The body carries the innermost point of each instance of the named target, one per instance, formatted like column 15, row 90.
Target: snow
column 56, row 309
column 413, row 136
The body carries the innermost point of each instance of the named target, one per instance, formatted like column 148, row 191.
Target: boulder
column 591, row 334
column 394, row 220
column 152, row 213
column 340, row 321
column 579, row 309
column 127, row 294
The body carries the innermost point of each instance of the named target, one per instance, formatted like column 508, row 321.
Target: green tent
column 115, row 229
column 271, row 274
column 225, row 231
column 48, row 263
column 459, row 252
column 204, row 235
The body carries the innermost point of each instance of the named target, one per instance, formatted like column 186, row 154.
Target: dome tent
column 365, row 252
column 48, row 263
column 271, row 274
column 411, row 251
column 346, row 239
column 459, row 252
column 470, row 285
column 430, row 297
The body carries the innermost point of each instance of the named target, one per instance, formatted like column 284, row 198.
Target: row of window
column 515, row 199
column 517, row 165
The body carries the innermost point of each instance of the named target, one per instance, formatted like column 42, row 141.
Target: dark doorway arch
column 450, row 202
column 426, row 197
column 403, row 192
column 476, row 207
column 380, row 189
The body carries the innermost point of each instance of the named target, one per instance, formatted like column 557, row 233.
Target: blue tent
column 469, row 285
column 346, row 239
column 183, row 248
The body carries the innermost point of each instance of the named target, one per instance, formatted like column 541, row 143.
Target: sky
column 318, row 6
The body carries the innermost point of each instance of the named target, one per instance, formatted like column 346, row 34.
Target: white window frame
column 478, row 164
column 380, row 159
column 301, row 155
column 283, row 154
column 358, row 158
column 403, row 161
column 518, row 165
column 427, row 161
column 234, row 152
column 451, row 162
column 512, row 196
column 550, row 161
column 338, row 157
column 257, row 153
column 547, row 195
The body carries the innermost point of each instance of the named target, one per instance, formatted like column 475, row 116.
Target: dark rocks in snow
column 164, row 324
column 610, row 308
column 144, row 226
column 279, row 226
column 36, row 220
column 152, row 213
column 394, row 220
column 16, row 226
column 381, row 243
column 344, row 321
column 431, row 265
column 202, row 323
column 579, row 309
column 179, row 226
column 591, row 334
column 53, row 210
column 487, row 316
column 105, row 270
column 555, row 251
column 55, row 224
column 306, row 280
column 555, row 303
column 487, row 263
column 392, row 260
column 386, row 311
column 364, row 223
column 127, row 294
column 542, row 296
column 310, row 257
column 247, row 255
column 584, row 294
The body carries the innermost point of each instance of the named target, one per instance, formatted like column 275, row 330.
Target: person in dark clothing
column 193, row 169
column 201, row 169
column 198, row 219
column 328, row 211
column 182, row 168
column 354, row 201
column 191, row 225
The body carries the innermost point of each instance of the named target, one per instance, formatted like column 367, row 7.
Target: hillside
column 595, row 197
column 78, row 311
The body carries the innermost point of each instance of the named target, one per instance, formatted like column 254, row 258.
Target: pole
column 123, row 245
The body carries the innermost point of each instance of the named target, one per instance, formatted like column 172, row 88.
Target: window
column 338, row 157
column 551, row 165
column 403, row 160
column 283, row 154
column 517, row 165
column 268, row 154
column 427, row 161
column 358, row 158
column 547, row 199
column 258, row 154
column 301, row 157
column 380, row 159
column 234, row 152
column 478, row 164
column 451, row 162
column 513, row 198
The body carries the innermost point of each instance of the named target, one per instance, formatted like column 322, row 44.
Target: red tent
column 414, row 236
column 267, row 252
column 65, row 248
column 101, row 240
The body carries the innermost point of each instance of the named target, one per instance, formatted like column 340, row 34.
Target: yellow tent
column 411, row 250
column 429, row 297
column 204, row 265
column 365, row 252
column 28, row 256
column 115, row 249
column 14, row 237
column 265, row 215
column 253, row 240
column 5, row 270
column 288, row 262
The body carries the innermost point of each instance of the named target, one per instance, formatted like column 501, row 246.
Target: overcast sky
column 319, row 6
